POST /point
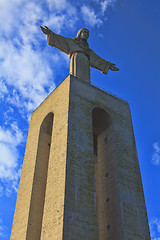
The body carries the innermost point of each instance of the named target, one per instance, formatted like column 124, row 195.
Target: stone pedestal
column 80, row 176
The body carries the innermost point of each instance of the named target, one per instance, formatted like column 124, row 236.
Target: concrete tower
column 80, row 178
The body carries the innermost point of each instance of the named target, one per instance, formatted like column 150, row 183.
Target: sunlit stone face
column 84, row 34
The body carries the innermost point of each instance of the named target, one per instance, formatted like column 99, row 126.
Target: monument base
column 80, row 176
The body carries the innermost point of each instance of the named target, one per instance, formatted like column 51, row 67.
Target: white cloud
column 105, row 4
column 59, row 5
column 155, row 228
column 55, row 22
column 25, row 65
column 156, row 154
column 8, row 116
column 156, row 147
column 90, row 17
column 3, row 231
column 8, row 160
column 10, row 171
column 11, row 136
column 3, row 89
column 8, row 16
column 28, row 72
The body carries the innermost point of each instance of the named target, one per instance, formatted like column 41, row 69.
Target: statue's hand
column 45, row 30
column 113, row 67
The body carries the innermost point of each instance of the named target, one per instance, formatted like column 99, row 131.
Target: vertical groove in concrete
column 107, row 194
column 53, row 224
column 40, row 179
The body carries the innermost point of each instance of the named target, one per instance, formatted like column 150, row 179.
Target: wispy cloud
column 155, row 228
column 58, row 4
column 3, row 230
column 90, row 17
column 105, row 4
column 10, row 139
column 25, row 64
column 3, row 89
column 156, row 154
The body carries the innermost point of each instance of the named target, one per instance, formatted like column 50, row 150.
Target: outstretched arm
column 101, row 64
column 62, row 43
column 113, row 67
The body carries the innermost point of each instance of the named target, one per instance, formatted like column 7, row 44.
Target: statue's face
column 84, row 34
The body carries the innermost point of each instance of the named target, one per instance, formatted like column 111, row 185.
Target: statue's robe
column 82, row 57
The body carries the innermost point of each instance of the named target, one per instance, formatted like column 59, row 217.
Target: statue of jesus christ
column 82, row 57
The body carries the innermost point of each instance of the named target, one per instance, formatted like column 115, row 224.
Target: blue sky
column 124, row 32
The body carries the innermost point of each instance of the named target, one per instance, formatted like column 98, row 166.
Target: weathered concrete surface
column 57, row 103
column 78, row 183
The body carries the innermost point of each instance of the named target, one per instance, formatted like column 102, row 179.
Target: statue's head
column 83, row 34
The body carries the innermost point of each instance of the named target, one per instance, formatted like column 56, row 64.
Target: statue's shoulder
column 92, row 53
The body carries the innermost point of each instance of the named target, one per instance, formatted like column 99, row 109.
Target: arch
column 40, row 179
column 102, row 127
column 100, row 122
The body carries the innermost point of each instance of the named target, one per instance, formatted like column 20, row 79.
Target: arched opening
column 40, row 179
column 103, row 155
